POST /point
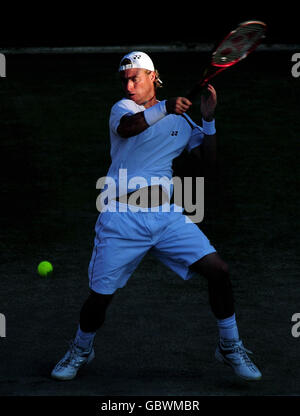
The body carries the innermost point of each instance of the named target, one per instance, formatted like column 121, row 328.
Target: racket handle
column 196, row 90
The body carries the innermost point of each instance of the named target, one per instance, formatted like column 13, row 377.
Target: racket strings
column 238, row 44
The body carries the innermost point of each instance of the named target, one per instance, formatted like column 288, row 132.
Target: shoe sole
column 67, row 378
column 221, row 359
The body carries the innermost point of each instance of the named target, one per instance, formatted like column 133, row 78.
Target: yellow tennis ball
column 45, row 268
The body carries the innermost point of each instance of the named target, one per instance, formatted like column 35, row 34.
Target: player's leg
column 92, row 314
column 186, row 250
column 216, row 271
column 119, row 247
column 230, row 349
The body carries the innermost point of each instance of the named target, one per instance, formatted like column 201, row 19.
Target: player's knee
column 210, row 265
column 223, row 269
column 100, row 299
column 93, row 311
column 220, row 274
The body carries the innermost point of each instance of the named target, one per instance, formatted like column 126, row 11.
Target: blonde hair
column 157, row 81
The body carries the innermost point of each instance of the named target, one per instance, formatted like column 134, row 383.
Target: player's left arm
column 207, row 151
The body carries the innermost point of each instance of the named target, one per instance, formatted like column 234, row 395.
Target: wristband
column 155, row 113
column 209, row 127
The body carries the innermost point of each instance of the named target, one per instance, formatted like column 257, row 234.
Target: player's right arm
column 133, row 124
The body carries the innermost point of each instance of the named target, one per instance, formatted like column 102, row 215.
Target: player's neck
column 150, row 102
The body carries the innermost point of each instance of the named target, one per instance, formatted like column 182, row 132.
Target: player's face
column 138, row 85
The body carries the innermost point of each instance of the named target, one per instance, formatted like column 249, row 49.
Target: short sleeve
column 119, row 110
column 196, row 138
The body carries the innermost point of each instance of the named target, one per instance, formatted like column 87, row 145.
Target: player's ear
column 152, row 76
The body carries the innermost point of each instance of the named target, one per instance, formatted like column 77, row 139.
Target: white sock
column 84, row 339
column 228, row 329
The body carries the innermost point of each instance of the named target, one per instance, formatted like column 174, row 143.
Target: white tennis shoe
column 234, row 353
column 73, row 360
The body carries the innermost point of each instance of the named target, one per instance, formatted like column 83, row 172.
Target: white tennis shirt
column 148, row 155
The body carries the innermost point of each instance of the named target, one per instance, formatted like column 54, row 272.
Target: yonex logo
column 2, row 326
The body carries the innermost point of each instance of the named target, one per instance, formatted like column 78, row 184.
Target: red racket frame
column 211, row 71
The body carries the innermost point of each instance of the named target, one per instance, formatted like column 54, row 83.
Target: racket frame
column 211, row 70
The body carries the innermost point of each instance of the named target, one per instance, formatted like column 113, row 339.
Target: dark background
column 133, row 23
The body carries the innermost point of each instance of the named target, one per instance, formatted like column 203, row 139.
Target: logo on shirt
column 174, row 133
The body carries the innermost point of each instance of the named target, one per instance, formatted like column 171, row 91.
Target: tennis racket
column 236, row 46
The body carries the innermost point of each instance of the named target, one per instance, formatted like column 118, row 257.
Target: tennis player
column 146, row 135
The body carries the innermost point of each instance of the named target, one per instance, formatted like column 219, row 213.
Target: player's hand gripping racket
column 236, row 46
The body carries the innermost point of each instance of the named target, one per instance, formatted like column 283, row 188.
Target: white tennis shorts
column 123, row 238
